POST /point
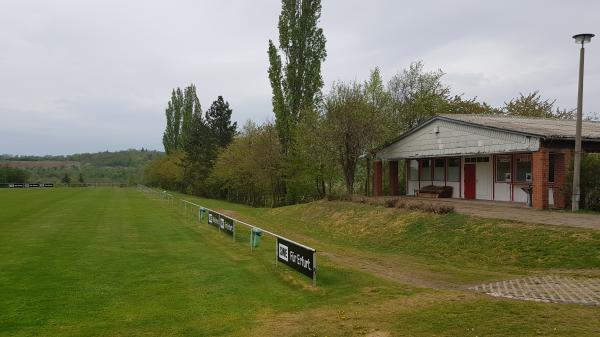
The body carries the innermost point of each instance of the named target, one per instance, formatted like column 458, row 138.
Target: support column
column 393, row 178
column 539, row 169
column 377, row 181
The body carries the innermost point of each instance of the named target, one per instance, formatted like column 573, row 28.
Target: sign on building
column 297, row 257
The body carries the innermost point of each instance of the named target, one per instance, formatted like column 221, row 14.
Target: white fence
column 308, row 266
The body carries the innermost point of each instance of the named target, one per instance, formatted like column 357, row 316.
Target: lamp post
column 579, row 39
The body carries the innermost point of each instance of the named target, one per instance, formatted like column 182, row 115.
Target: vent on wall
column 436, row 129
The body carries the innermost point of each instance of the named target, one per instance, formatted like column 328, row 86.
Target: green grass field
column 114, row 262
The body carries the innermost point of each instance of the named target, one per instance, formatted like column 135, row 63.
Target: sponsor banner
column 297, row 257
column 214, row 219
column 33, row 185
column 48, row 185
column 19, row 185
column 226, row 225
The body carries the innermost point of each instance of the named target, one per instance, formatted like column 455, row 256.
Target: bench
column 432, row 191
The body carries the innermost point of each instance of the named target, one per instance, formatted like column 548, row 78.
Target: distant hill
column 121, row 166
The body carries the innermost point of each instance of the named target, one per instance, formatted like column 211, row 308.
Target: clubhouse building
column 487, row 157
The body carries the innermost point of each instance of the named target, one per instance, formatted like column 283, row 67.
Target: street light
column 579, row 39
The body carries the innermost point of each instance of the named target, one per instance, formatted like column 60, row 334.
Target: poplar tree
column 181, row 107
column 296, row 80
column 172, row 134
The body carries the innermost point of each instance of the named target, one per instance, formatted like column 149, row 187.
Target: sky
column 86, row 76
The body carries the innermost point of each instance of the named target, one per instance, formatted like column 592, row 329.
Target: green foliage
column 13, row 175
column 180, row 108
column 249, row 169
column 66, row 179
column 532, row 105
column 117, row 167
column 218, row 120
column 352, row 126
column 296, row 82
column 590, row 181
column 166, row 171
column 199, row 152
column 417, row 95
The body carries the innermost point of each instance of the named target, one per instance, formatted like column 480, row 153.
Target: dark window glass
column 503, row 168
column 523, row 168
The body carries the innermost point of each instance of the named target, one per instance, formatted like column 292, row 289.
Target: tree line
column 192, row 139
column 320, row 143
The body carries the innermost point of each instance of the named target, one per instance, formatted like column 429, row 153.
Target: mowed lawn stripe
column 111, row 262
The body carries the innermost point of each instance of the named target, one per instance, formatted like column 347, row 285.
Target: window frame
column 510, row 168
column 518, row 159
column 435, row 177
column 429, row 168
column 459, row 166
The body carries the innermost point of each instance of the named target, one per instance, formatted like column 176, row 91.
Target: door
column 470, row 181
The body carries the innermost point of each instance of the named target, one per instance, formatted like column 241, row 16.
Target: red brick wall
column 539, row 170
column 377, row 181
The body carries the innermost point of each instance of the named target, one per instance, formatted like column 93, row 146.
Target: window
column 503, row 169
column 425, row 169
column 523, row 168
column 453, row 169
column 413, row 171
column 439, row 169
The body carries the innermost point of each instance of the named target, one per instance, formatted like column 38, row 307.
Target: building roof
column 538, row 127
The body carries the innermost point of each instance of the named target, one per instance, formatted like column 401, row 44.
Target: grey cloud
column 96, row 75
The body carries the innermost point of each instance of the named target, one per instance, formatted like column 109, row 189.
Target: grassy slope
column 110, row 262
column 454, row 239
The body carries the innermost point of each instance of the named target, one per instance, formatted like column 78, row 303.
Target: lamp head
column 583, row 38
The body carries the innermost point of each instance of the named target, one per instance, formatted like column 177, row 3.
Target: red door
column 470, row 181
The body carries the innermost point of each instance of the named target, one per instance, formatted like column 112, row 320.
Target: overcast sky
column 87, row 76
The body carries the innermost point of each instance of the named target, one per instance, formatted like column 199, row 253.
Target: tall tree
column 296, row 81
column 533, row 105
column 418, row 95
column 172, row 134
column 199, row 153
column 218, row 120
column 351, row 126
column 190, row 105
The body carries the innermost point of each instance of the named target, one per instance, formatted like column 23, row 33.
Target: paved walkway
column 517, row 211
column 550, row 289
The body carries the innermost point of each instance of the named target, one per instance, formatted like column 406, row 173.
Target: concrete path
column 518, row 212
column 549, row 288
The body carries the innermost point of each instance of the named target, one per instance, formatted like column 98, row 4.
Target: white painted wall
column 456, row 139
column 502, row 191
column 483, row 174
column 520, row 195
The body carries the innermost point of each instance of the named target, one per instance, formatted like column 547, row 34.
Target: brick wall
column 539, row 169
